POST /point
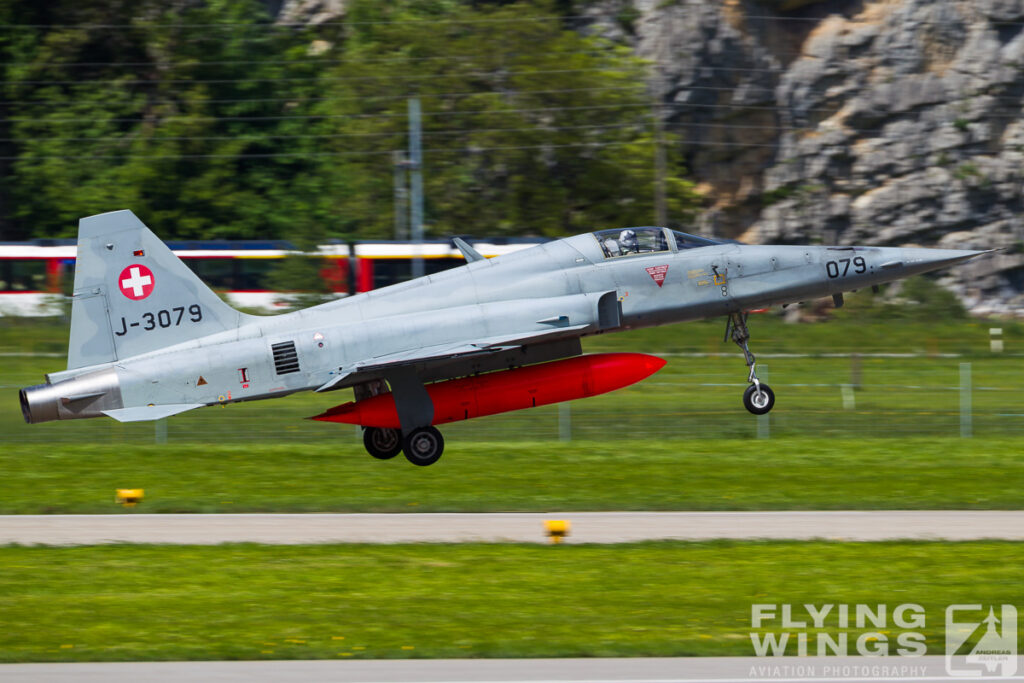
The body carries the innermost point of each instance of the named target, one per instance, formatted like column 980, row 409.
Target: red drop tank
column 506, row 390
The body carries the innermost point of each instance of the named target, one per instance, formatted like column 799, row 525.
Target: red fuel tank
column 500, row 392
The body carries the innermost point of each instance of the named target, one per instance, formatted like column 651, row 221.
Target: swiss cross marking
column 658, row 273
column 136, row 282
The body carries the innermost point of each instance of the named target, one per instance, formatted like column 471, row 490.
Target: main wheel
column 759, row 402
column 382, row 443
column 423, row 446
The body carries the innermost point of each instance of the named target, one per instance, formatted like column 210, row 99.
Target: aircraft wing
column 375, row 368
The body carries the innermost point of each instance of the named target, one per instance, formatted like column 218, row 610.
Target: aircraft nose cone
column 906, row 261
column 938, row 258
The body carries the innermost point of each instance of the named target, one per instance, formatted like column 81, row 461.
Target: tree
column 209, row 121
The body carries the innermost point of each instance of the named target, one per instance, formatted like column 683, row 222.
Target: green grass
column 679, row 440
column 693, row 397
column 653, row 599
column 690, row 398
column 848, row 330
column 782, row 474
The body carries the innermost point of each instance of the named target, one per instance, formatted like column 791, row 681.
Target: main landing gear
column 422, row 446
column 382, row 443
column 759, row 397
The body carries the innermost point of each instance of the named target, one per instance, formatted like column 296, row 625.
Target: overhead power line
column 327, row 59
column 273, row 155
column 639, row 87
column 592, row 17
column 354, row 153
column 306, row 117
column 330, row 79
column 357, row 98
column 672, row 107
column 332, row 136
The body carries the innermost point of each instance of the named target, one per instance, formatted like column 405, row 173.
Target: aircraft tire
column 382, row 443
column 759, row 404
column 423, row 446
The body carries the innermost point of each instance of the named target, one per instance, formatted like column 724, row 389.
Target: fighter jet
column 150, row 340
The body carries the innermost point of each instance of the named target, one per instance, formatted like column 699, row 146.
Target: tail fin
column 133, row 295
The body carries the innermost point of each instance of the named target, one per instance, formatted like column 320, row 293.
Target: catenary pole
column 416, row 200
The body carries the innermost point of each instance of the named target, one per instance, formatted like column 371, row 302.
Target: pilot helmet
column 627, row 236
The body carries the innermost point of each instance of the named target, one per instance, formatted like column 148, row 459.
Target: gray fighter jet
column 149, row 339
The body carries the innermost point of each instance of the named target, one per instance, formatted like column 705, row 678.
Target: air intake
column 286, row 359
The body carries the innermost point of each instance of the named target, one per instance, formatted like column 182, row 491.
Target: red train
column 34, row 274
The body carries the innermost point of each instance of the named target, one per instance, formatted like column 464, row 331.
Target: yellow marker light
column 130, row 497
column 557, row 529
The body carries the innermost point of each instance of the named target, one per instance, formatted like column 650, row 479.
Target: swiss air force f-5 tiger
column 149, row 339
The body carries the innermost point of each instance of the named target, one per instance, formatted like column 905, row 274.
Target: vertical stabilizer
column 133, row 295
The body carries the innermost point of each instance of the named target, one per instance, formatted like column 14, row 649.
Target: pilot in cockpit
column 628, row 242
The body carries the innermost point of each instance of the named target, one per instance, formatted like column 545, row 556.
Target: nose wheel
column 758, row 397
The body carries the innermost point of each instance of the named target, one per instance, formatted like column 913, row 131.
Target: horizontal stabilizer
column 144, row 413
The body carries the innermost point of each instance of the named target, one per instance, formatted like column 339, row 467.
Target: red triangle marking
column 658, row 273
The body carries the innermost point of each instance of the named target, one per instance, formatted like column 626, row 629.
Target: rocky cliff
column 881, row 122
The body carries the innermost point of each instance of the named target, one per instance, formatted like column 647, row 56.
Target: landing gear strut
column 759, row 397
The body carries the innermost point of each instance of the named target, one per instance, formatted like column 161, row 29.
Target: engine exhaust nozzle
column 85, row 396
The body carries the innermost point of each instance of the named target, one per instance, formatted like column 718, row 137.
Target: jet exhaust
column 85, row 396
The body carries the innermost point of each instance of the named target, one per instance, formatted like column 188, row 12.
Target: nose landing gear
column 759, row 397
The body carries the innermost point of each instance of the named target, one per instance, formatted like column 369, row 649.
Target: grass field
column 848, row 331
column 692, row 397
column 679, row 440
column 783, row 474
column 654, row 599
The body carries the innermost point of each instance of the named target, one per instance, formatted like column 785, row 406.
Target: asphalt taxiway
column 620, row 670
column 586, row 527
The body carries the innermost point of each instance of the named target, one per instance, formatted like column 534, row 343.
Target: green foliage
column 925, row 300
column 269, row 471
column 627, row 17
column 919, row 299
column 299, row 278
column 210, row 122
column 247, row 601
column 966, row 171
column 801, row 192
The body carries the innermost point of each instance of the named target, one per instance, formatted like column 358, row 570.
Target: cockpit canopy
column 646, row 240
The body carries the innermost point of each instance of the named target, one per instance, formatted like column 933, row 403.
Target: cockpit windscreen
column 646, row 240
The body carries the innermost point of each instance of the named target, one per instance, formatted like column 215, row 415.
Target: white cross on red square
column 136, row 282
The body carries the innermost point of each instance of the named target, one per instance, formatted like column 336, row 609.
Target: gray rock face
column 881, row 122
column 875, row 122
column 311, row 12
